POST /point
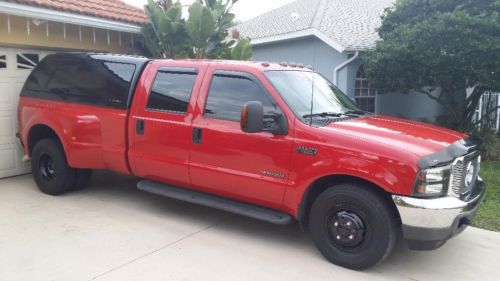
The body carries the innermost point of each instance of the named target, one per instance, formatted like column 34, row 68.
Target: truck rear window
column 80, row 79
column 171, row 91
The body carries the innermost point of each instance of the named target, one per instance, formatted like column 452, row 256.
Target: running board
column 220, row 203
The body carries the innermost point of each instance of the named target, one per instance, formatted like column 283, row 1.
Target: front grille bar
column 457, row 186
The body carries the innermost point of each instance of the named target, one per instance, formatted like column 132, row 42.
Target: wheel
column 82, row 179
column 50, row 169
column 352, row 226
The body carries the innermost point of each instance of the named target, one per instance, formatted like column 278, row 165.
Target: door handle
column 197, row 135
column 139, row 127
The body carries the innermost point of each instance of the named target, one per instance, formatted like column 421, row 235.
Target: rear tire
column 352, row 226
column 50, row 168
column 82, row 179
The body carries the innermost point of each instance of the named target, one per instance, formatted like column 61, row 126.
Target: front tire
column 50, row 168
column 352, row 226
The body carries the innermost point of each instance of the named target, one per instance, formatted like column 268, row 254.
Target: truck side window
column 171, row 91
column 82, row 80
column 228, row 94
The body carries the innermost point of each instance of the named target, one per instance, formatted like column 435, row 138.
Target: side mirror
column 253, row 120
column 252, row 117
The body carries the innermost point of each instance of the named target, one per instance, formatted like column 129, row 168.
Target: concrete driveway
column 112, row 231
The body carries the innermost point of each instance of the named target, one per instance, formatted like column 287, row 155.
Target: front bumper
column 428, row 223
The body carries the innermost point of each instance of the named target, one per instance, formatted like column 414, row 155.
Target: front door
column 227, row 161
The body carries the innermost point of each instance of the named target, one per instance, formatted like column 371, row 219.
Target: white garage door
column 15, row 66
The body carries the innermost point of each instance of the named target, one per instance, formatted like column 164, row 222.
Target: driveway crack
column 162, row 247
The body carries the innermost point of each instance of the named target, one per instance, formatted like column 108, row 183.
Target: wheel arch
column 38, row 132
column 323, row 183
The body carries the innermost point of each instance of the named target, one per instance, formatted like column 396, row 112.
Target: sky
column 243, row 9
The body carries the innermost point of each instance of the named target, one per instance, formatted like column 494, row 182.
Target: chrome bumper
column 438, row 219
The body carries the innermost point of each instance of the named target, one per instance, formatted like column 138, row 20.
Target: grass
column 488, row 216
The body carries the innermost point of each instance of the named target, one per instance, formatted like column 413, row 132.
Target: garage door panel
column 6, row 96
column 12, row 79
column 7, row 128
column 8, row 155
column 11, row 164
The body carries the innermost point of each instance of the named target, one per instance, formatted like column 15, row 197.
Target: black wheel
column 50, row 168
column 82, row 179
column 352, row 226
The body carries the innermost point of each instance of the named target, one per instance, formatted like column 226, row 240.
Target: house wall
column 19, row 36
column 308, row 51
column 413, row 105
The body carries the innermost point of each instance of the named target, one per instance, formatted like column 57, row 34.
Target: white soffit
column 65, row 17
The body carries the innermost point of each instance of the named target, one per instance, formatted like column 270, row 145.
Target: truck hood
column 416, row 138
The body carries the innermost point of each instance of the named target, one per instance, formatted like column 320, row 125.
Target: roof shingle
column 351, row 24
column 107, row 9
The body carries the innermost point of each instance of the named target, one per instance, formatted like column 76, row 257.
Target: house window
column 3, row 61
column 363, row 94
column 27, row 61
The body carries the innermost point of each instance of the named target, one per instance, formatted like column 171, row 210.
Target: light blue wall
column 414, row 106
column 411, row 106
column 308, row 51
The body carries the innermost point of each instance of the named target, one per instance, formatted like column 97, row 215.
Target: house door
column 15, row 66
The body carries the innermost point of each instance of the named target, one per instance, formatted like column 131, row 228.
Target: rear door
column 160, row 121
column 224, row 159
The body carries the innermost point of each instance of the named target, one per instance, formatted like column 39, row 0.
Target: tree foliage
column 165, row 36
column 204, row 34
column 448, row 44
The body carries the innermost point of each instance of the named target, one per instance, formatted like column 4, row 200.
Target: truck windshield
column 297, row 89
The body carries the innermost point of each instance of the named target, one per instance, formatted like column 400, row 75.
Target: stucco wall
column 308, row 51
column 414, row 106
column 18, row 36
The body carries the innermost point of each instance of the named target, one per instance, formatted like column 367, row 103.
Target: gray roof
column 349, row 25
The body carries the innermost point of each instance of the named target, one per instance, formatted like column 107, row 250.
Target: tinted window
column 228, row 94
column 81, row 80
column 298, row 88
column 171, row 91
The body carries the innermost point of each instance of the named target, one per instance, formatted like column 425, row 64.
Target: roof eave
column 65, row 17
column 299, row 34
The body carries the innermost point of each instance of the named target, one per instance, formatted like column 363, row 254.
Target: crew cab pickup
column 274, row 142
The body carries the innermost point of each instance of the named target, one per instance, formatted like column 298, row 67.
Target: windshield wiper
column 356, row 112
column 323, row 114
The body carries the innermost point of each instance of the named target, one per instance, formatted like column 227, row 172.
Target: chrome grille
column 457, row 177
column 459, row 172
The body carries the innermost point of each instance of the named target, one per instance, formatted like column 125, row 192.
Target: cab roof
column 261, row 65
column 140, row 60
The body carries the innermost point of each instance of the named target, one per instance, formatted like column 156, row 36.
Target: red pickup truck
column 274, row 142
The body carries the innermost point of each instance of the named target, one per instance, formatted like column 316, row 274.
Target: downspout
column 342, row 65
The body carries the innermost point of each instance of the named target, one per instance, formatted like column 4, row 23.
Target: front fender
column 392, row 175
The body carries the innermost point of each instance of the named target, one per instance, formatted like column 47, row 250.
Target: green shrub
column 490, row 150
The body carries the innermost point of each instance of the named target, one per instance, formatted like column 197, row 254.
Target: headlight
column 432, row 182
